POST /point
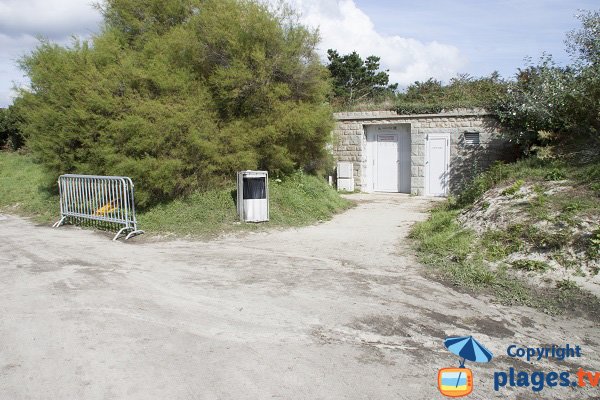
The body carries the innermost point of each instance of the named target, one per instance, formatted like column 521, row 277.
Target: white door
column 437, row 163
column 386, row 168
column 388, row 159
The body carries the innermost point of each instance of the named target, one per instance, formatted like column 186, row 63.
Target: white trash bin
column 253, row 196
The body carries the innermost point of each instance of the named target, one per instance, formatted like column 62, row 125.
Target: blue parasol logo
column 458, row 382
column 469, row 349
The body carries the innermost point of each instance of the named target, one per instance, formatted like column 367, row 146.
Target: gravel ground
column 339, row 310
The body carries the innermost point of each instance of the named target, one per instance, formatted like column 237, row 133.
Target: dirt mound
column 546, row 231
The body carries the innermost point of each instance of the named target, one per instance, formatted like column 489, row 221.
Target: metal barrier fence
column 107, row 199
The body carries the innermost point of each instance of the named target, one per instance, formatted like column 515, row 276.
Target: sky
column 416, row 40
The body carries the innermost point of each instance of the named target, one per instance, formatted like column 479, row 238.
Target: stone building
column 428, row 154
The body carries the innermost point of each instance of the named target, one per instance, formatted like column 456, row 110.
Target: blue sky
column 491, row 35
column 415, row 39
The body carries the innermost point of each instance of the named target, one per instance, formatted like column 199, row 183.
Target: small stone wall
column 350, row 142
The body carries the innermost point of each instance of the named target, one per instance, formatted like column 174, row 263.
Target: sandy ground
column 339, row 310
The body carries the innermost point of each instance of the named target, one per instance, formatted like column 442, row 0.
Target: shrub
column 482, row 183
column 10, row 134
column 179, row 94
column 463, row 91
column 553, row 98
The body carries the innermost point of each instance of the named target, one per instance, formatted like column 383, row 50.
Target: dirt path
column 334, row 311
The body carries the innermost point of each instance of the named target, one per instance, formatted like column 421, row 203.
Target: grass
column 441, row 236
column 514, row 188
column 450, row 250
column 586, row 178
column 531, row 265
column 23, row 188
column 454, row 255
column 294, row 201
column 476, row 261
column 593, row 245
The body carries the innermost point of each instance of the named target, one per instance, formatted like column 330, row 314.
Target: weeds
column 475, row 261
column 531, row 265
column 593, row 248
column 498, row 173
column 555, row 174
column 24, row 188
column 449, row 239
column 499, row 244
column 514, row 188
column 566, row 285
column 538, row 207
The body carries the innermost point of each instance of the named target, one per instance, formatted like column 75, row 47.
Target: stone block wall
column 350, row 142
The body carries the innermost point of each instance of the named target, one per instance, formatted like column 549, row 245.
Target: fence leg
column 59, row 223
column 134, row 233
column 119, row 233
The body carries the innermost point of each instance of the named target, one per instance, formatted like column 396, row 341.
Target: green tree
column 355, row 80
column 584, row 43
column 10, row 134
column 179, row 94
column 562, row 100
column 537, row 99
column 424, row 92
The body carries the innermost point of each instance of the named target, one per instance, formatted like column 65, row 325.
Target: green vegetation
column 10, row 134
column 477, row 261
column 534, row 169
column 498, row 173
column 459, row 256
column 178, row 95
column 462, row 91
column 452, row 250
column 433, row 96
column 23, row 188
column 577, row 200
column 296, row 200
column 564, row 101
column 531, row 265
column 514, row 188
column 555, row 174
column 356, row 81
column 593, row 248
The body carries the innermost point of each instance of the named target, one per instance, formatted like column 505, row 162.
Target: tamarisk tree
column 179, row 94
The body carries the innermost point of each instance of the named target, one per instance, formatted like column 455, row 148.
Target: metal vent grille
column 471, row 138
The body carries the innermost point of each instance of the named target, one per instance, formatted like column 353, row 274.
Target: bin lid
column 254, row 173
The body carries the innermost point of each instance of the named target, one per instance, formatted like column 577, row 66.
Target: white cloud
column 346, row 28
column 53, row 19
column 22, row 21
column 343, row 26
column 13, row 48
